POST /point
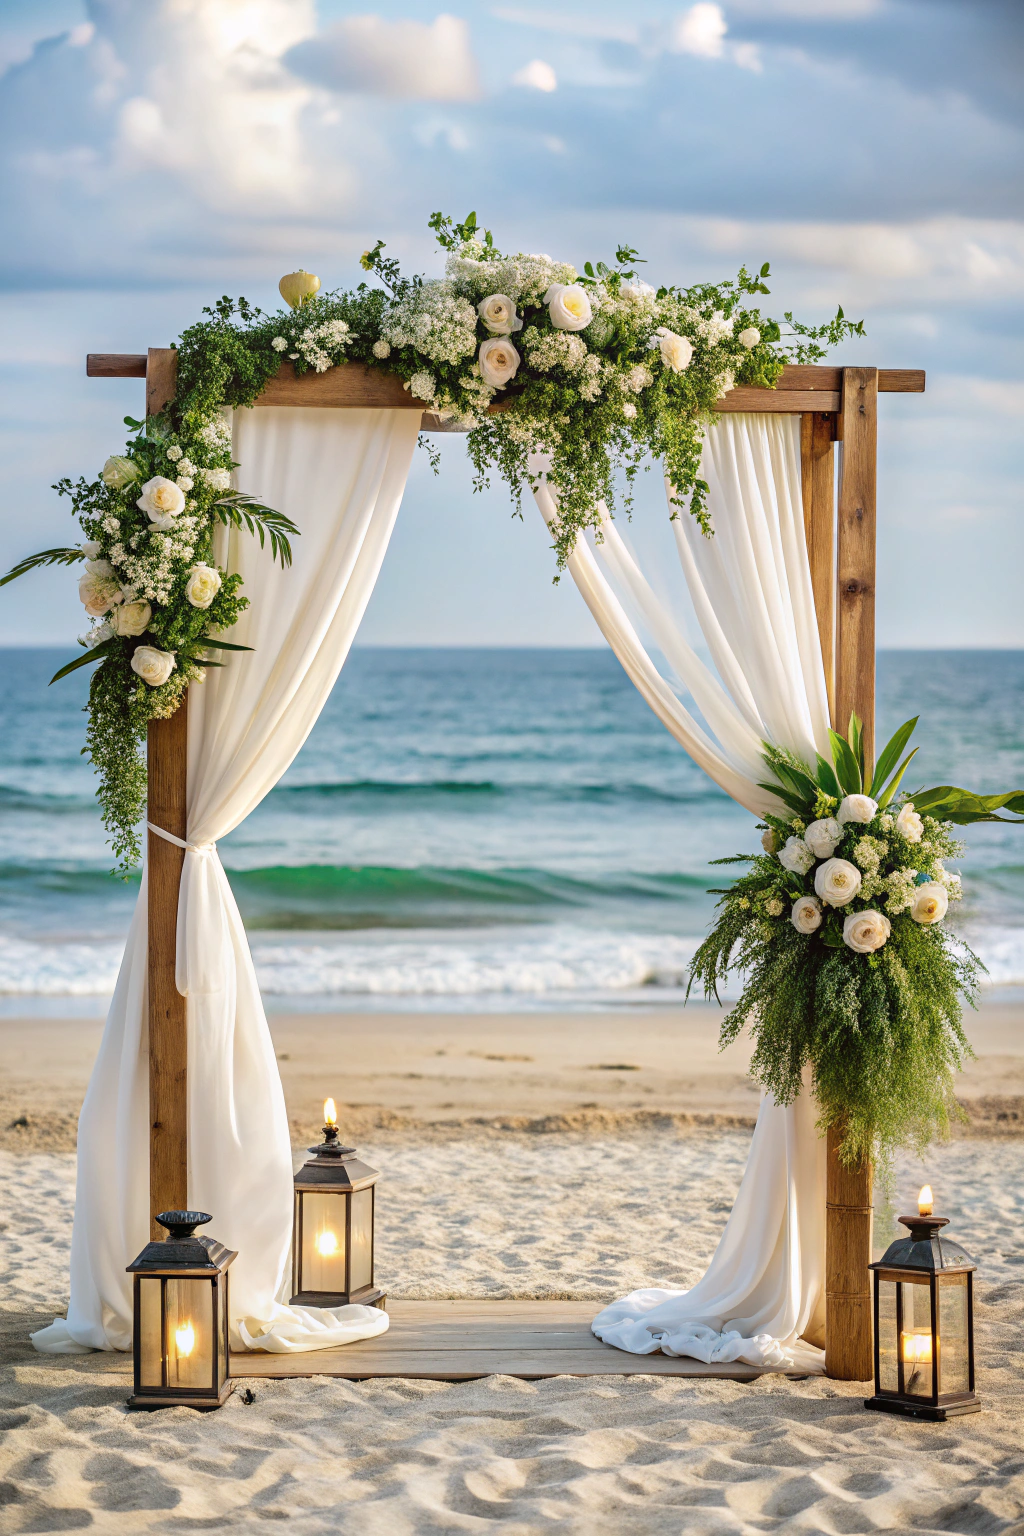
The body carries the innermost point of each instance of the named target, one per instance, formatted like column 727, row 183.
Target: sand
column 555, row 1176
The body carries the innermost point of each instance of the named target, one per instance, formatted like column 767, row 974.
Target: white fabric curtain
column 340, row 476
column 750, row 587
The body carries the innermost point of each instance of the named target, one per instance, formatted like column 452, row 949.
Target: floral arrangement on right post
column 853, row 982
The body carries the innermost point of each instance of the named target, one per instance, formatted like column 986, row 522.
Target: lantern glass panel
column 361, row 1272
column 189, row 1331
column 954, row 1365
column 323, row 1242
column 151, row 1339
column 888, row 1358
column 916, row 1338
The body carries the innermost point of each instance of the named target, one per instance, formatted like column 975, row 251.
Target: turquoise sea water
column 467, row 828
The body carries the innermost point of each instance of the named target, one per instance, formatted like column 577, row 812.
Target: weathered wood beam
column 817, row 463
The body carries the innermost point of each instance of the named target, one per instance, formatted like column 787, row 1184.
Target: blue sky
column 158, row 153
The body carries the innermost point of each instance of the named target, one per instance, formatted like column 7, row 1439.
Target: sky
column 155, row 154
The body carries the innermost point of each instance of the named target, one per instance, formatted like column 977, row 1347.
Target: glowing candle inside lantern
column 327, row 1244
column 330, row 1112
column 924, row 1200
column 185, row 1339
column 917, row 1348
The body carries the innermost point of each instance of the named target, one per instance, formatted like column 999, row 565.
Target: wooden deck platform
column 463, row 1340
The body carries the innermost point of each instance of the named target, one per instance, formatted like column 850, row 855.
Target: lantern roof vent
column 182, row 1249
column 924, row 1249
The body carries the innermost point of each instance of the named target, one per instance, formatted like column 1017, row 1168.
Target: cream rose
column 202, row 585
column 498, row 313
column 153, row 666
column 929, row 902
column 823, row 837
column 161, row 500
column 866, row 931
column 498, row 361
column 909, row 823
column 750, row 337
column 118, row 472
column 99, row 589
column 837, row 881
column 131, row 618
column 796, row 856
column 768, row 840
column 806, row 914
column 568, row 306
column 676, row 351
column 857, row 808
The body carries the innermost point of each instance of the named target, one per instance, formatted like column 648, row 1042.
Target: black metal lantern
column 924, row 1322
column 181, row 1317
column 332, row 1241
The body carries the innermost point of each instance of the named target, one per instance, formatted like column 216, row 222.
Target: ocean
column 471, row 829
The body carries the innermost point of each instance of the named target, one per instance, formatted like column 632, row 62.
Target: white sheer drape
column 751, row 590
column 340, row 476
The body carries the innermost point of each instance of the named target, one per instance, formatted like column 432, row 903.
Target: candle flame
column 330, row 1112
column 185, row 1339
column 924, row 1200
column 326, row 1244
column 917, row 1348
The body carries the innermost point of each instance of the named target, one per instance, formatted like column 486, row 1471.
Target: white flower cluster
column 435, row 321
column 524, row 279
column 322, row 345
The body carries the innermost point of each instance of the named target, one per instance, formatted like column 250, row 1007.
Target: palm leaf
column 225, row 645
column 244, row 511
column 948, row 803
column 96, row 654
column 847, row 768
column 890, row 755
column 786, row 796
column 894, row 783
column 44, row 557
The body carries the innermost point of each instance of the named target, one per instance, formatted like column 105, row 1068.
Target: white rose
column 118, row 472
column 806, row 914
column 796, row 856
column 636, row 291
column 153, row 666
column 498, row 313
column 750, row 337
column 202, row 585
column 498, row 361
column 857, row 808
column 676, row 351
column 768, row 840
column 929, row 903
column 568, row 306
column 823, row 837
column 837, row 881
column 90, row 548
column 99, row 589
column 909, row 823
column 161, row 500
column 131, row 618
column 866, row 931
column 97, row 635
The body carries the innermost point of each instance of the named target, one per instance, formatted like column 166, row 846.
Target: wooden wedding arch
column 835, row 405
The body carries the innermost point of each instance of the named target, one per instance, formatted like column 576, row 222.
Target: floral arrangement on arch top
column 849, row 969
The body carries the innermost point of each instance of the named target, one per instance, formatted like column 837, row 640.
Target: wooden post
column 167, row 752
column 848, row 1322
column 817, row 462
column 168, row 1046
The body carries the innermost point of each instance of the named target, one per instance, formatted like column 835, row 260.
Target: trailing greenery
column 606, row 372
column 849, row 973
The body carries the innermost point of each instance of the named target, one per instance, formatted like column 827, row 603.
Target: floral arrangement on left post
column 158, row 602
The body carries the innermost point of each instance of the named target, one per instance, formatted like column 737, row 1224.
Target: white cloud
column 536, row 76
column 700, row 30
column 406, row 59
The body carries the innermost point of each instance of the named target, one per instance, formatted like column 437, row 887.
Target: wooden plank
column 350, row 384
column 167, row 748
column 855, row 661
column 463, row 1340
column 115, row 365
column 779, row 401
column 818, row 478
column 161, row 378
column 848, row 1315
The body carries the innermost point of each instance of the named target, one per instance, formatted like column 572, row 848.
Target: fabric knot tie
column 207, row 847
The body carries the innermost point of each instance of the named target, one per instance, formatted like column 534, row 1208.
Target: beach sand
column 499, row 1177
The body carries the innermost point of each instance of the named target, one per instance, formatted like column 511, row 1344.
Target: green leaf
column 44, row 557
column 890, row 755
column 847, row 768
column 244, row 511
column 588, row 268
column 827, row 780
column 96, row 654
column 855, row 736
column 786, row 796
column 894, row 782
column 948, row 803
column 225, row 645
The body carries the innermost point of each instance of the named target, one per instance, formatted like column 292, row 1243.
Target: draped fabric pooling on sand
column 340, row 476
column 750, row 586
